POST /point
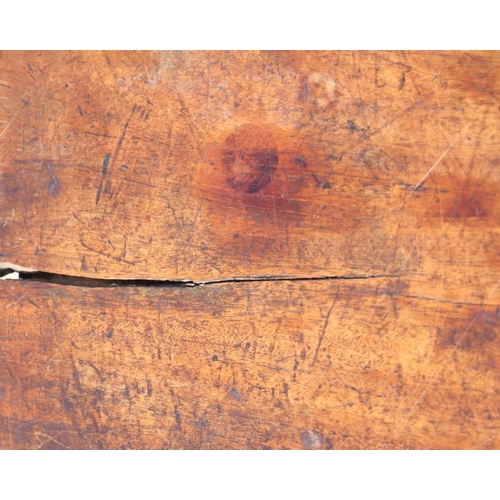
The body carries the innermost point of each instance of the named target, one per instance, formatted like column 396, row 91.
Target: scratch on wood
column 485, row 441
column 325, row 325
column 438, row 161
column 122, row 136
column 49, row 438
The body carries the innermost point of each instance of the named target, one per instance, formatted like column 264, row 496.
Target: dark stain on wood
column 250, row 157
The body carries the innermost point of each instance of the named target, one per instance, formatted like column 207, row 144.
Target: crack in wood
column 82, row 281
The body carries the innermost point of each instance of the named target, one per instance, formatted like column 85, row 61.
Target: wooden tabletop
column 250, row 250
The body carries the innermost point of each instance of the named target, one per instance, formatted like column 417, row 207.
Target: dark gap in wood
column 81, row 281
column 63, row 279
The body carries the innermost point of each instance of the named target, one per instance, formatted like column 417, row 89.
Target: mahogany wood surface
column 320, row 231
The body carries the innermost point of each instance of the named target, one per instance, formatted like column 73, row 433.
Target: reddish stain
column 250, row 157
column 479, row 82
column 463, row 199
column 466, row 205
column 479, row 331
column 260, row 170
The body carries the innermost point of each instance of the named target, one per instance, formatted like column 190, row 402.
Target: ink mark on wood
column 105, row 166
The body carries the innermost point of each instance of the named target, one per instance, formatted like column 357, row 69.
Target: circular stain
column 250, row 156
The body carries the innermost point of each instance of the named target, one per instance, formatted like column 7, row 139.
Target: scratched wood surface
column 367, row 183
column 331, row 364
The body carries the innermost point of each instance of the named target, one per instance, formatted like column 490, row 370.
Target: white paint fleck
column 10, row 276
column 15, row 267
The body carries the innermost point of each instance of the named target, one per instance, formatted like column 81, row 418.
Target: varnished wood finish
column 332, row 364
column 378, row 168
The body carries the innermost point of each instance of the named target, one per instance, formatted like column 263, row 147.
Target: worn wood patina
column 250, row 249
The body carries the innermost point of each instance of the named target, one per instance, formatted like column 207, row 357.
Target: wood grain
column 360, row 190
column 203, row 165
column 331, row 364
